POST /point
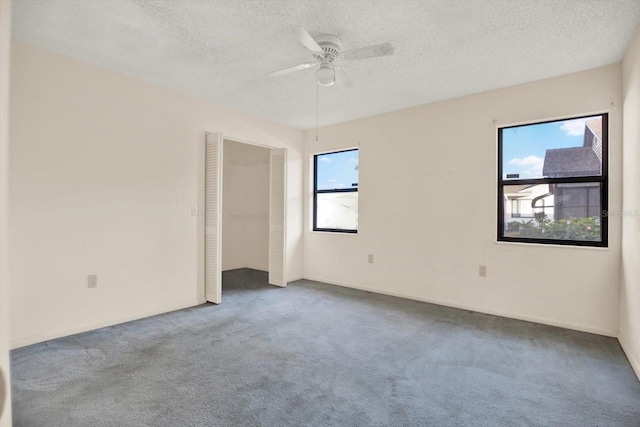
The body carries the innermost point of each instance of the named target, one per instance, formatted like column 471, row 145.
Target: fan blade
column 292, row 69
column 307, row 41
column 383, row 49
column 342, row 77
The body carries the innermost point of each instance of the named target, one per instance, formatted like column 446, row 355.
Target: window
column 552, row 182
column 335, row 191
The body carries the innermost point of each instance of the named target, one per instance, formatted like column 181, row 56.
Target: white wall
column 245, row 206
column 428, row 208
column 5, row 56
column 630, row 289
column 104, row 170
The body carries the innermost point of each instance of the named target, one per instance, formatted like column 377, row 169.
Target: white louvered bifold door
column 212, row 218
column 277, row 217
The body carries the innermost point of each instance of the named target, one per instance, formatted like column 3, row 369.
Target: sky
column 338, row 170
column 524, row 147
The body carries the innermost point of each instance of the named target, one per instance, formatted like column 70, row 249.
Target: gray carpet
column 314, row 354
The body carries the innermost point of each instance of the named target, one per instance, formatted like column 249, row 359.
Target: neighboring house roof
column 517, row 191
column 513, row 189
column 574, row 161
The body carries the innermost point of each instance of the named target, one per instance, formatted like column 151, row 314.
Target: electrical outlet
column 370, row 259
column 93, row 281
column 482, row 271
column 194, row 210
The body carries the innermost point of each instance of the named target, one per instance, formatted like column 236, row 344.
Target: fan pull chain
column 317, row 108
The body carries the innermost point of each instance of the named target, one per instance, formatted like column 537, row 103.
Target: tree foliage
column 562, row 229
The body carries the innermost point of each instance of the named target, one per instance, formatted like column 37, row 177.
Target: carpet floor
column 313, row 354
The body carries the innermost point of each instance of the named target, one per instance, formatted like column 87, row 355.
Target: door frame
column 201, row 265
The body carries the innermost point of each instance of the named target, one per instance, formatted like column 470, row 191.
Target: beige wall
column 428, row 209
column 5, row 45
column 630, row 289
column 245, row 206
column 104, row 170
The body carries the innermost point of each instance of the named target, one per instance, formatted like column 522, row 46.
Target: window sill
column 333, row 233
column 551, row 245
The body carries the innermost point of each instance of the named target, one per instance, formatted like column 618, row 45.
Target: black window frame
column 336, row 190
column 602, row 180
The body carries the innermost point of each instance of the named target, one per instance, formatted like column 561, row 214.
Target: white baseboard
column 635, row 364
column 485, row 310
column 34, row 339
column 294, row 278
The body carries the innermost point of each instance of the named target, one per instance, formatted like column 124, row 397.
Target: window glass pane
column 566, row 148
column 337, row 210
column 553, row 211
column 337, row 171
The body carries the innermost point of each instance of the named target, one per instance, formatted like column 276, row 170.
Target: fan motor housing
column 330, row 44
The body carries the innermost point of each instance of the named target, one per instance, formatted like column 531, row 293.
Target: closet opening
column 245, row 217
column 244, row 224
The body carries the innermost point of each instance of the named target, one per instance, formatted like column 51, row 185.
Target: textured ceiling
column 222, row 51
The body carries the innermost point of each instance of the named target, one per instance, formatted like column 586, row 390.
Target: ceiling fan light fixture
column 326, row 75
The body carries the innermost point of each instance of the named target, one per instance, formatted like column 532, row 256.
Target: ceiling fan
column 327, row 52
